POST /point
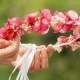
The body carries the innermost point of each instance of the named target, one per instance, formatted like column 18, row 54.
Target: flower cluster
column 36, row 22
column 65, row 22
column 11, row 29
column 41, row 21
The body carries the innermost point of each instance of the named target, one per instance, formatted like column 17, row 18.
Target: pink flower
column 62, row 39
column 67, row 28
column 44, row 22
column 57, row 22
column 12, row 28
column 46, row 14
column 42, row 29
column 58, row 28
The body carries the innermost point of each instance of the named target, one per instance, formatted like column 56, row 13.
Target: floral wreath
column 41, row 22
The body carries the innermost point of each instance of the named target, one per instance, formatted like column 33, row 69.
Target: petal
column 72, row 15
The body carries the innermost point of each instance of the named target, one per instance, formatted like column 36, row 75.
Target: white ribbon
column 25, row 62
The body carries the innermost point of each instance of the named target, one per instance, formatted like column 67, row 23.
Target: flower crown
column 41, row 22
